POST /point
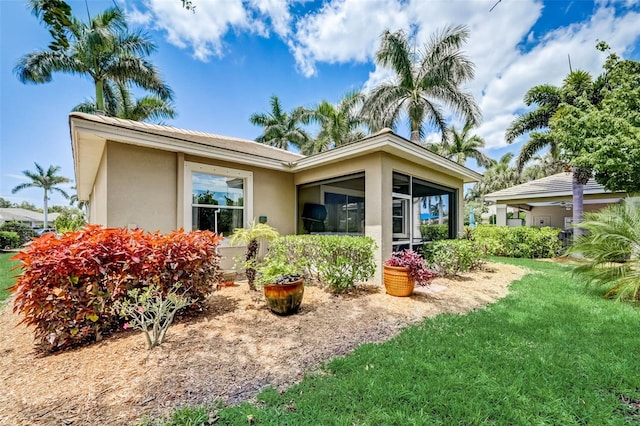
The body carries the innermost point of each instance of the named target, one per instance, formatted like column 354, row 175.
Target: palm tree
column 118, row 103
column 281, row 129
column 339, row 124
column 549, row 100
column 611, row 249
column 425, row 81
column 104, row 50
column 47, row 180
column 542, row 166
column 461, row 145
column 499, row 175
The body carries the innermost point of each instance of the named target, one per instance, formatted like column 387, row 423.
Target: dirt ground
column 235, row 350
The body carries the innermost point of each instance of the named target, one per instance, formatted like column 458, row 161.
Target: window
column 422, row 212
column 217, row 198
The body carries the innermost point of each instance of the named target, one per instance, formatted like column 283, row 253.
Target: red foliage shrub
column 70, row 282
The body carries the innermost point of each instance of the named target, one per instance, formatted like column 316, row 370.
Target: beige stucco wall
column 555, row 214
column 142, row 187
column 274, row 194
column 98, row 197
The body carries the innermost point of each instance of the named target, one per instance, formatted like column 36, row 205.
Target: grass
column 7, row 277
column 551, row 352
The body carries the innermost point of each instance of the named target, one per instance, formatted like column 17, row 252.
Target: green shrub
column 25, row 233
column 70, row 283
column 451, row 257
column 434, row 232
column 610, row 250
column 518, row 241
column 336, row 260
column 69, row 222
column 9, row 240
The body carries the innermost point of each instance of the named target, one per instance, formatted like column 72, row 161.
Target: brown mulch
column 232, row 352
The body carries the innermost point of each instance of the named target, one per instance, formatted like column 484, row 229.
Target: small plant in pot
column 282, row 284
column 404, row 270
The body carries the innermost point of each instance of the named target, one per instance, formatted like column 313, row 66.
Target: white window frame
column 405, row 237
column 191, row 167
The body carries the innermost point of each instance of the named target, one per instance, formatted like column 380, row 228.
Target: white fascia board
column 174, row 144
column 537, row 196
column 393, row 145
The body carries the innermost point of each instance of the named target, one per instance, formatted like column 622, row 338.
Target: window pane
column 220, row 220
column 217, row 190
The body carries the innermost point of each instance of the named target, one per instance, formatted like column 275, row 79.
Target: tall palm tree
column 280, row 128
column 426, row 80
column 104, row 50
column 460, row 145
column 119, row 103
column 47, row 180
column 339, row 124
column 499, row 175
column 549, row 100
column 542, row 166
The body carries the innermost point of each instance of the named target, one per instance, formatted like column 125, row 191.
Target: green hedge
column 9, row 240
column 336, row 260
column 452, row 257
column 518, row 241
column 434, row 232
column 25, row 233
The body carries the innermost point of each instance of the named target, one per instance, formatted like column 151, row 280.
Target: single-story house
column 28, row 217
column 549, row 201
column 136, row 174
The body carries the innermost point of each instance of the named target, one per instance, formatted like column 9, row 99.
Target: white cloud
column 203, row 31
column 344, row 31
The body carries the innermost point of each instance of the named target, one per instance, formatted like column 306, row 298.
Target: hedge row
column 69, row 283
column 338, row 261
column 24, row 231
column 518, row 241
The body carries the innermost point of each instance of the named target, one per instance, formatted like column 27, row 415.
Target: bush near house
column 24, row 231
column 70, row 283
column 9, row 240
column 519, row 241
column 339, row 261
column 452, row 257
column 434, row 232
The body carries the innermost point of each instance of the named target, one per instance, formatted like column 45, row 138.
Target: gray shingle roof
column 551, row 186
column 210, row 139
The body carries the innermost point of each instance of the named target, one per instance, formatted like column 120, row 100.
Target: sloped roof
column 89, row 134
column 209, row 139
column 558, row 185
column 23, row 215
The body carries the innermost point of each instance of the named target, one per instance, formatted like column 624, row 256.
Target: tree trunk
column 580, row 178
column 100, row 96
column 415, row 136
column 252, row 252
column 44, row 204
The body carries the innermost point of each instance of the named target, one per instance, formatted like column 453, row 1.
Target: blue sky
column 225, row 60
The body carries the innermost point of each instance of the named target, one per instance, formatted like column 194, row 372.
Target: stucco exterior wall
column 98, row 198
column 274, row 194
column 554, row 215
column 142, row 187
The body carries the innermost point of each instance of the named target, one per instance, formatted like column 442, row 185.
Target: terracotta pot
column 397, row 281
column 284, row 299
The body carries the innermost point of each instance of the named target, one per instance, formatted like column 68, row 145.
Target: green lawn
column 550, row 353
column 6, row 275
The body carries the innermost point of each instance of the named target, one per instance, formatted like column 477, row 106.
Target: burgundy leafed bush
column 69, row 283
column 418, row 270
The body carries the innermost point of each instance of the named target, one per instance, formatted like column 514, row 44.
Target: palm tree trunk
column 578, row 202
column 100, row 95
column 44, row 204
column 415, row 135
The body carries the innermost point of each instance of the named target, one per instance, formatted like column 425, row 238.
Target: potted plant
column 283, row 286
column 251, row 236
column 403, row 271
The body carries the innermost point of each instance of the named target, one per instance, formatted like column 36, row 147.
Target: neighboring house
column 161, row 178
column 549, row 201
column 28, row 217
